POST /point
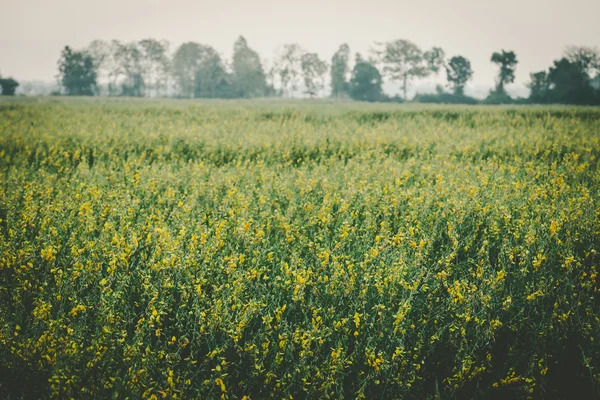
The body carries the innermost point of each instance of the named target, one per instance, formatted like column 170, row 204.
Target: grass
column 310, row 249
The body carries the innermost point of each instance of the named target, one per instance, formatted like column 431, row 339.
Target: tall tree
column 287, row 67
column 212, row 79
column 569, row 80
column 404, row 61
column 366, row 81
column 130, row 58
column 113, row 68
column 154, row 64
column 435, row 59
column 570, row 84
column 99, row 50
column 186, row 62
column 339, row 71
column 458, row 73
column 586, row 58
column 538, row 86
column 76, row 73
column 248, row 73
column 507, row 61
column 270, row 78
column 313, row 72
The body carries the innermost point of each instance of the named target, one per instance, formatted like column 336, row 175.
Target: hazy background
column 33, row 32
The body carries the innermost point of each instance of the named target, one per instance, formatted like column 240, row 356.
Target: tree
column 507, row 61
column 313, row 71
column 434, row 59
column 99, row 50
column 132, row 69
column 8, row 86
column 186, row 62
column 287, row 67
column 339, row 71
column 248, row 74
column 403, row 61
column 569, row 80
column 212, row 80
column 458, row 73
column 538, row 87
column 154, row 64
column 76, row 73
column 113, row 68
column 586, row 58
column 270, row 78
column 129, row 58
column 596, row 83
column 570, row 84
column 365, row 83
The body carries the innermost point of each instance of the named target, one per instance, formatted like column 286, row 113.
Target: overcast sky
column 32, row 32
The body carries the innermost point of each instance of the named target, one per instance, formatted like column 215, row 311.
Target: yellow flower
column 356, row 319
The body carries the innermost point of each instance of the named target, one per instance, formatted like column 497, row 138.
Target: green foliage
column 538, row 86
column 404, row 61
column 568, row 81
column 434, row 59
column 77, row 73
column 8, row 86
column 587, row 59
column 248, row 75
column 129, row 58
column 313, row 72
column 188, row 60
column 498, row 97
column 445, row 98
column 145, row 68
column 507, row 61
column 213, row 81
column 154, row 65
column 314, row 250
column 570, row 84
column 596, row 84
column 288, row 68
column 339, row 71
column 458, row 73
column 134, row 86
column 365, row 83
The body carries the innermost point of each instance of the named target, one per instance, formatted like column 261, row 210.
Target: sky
column 33, row 32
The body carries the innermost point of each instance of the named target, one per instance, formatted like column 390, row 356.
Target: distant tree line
column 148, row 68
column 574, row 79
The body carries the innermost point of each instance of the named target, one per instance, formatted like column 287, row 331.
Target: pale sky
column 33, row 32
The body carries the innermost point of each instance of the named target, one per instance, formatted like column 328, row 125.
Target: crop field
column 268, row 249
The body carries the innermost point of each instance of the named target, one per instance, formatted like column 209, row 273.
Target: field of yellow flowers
column 244, row 250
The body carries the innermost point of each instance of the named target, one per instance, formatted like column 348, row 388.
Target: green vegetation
column 146, row 68
column 183, row 249
column 8, row 86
